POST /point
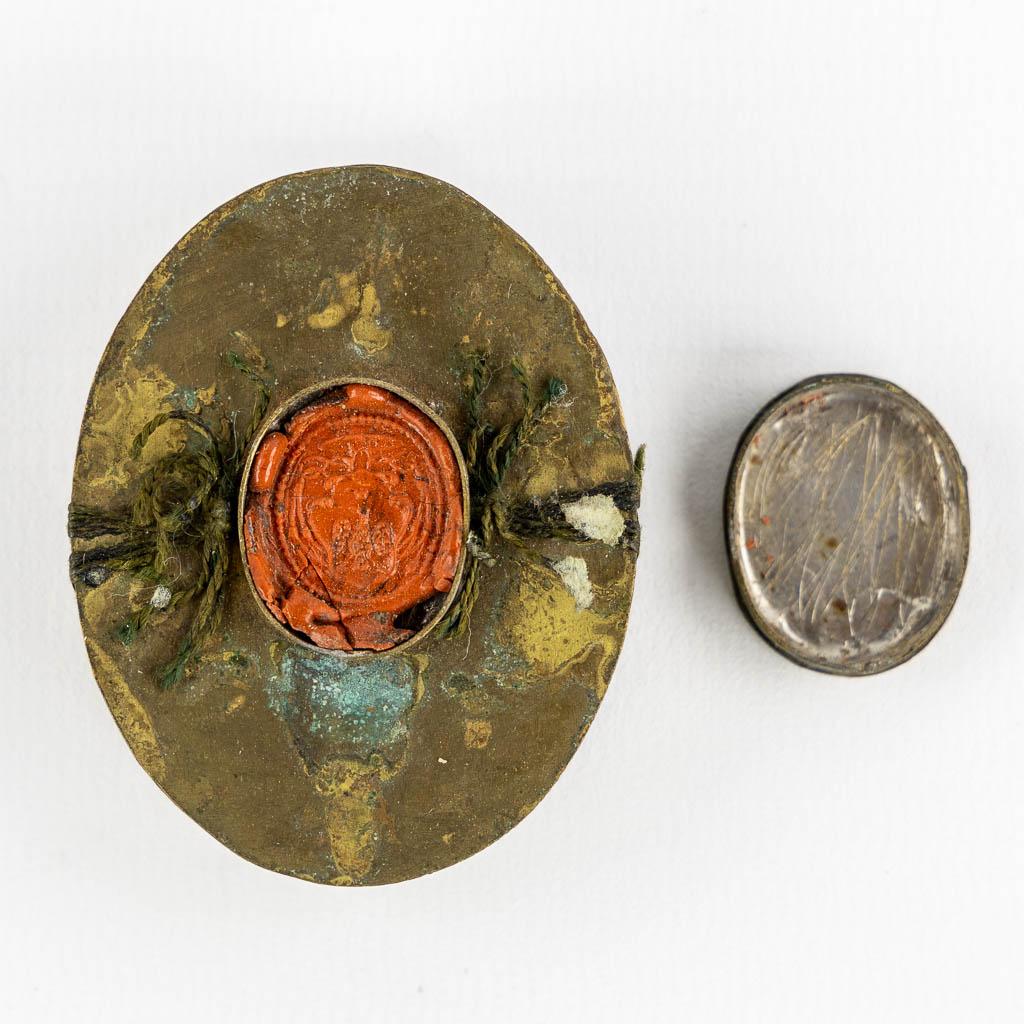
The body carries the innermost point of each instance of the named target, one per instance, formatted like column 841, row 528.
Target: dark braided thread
column 89, row 523
column 490, row 453
column 209, row 590
column 184, row 499
column 480, row 377
column 456, row 619
column 132, row 554
column 259, row 409
column 543, row 518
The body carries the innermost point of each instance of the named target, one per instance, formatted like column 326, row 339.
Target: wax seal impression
column 847, row 524
column 352, row 515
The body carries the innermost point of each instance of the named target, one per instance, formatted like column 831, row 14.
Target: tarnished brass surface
column 847, row 524
column 384, row 768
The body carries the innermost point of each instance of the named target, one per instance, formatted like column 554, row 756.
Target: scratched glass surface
column 848, row 525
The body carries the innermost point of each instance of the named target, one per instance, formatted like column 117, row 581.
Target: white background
column 737, row 195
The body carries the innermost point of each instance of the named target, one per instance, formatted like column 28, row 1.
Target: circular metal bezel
column 274, row 421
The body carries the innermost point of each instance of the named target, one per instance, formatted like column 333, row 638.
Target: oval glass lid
column 847, row 524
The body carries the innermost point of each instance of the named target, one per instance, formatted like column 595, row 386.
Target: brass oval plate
column 847, row 524
column 362, row 771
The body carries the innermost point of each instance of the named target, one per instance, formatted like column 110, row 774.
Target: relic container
column 434, row 735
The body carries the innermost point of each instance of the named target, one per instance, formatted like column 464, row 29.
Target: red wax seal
column 353, row 516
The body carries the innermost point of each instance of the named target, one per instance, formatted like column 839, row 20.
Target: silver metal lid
column 847, row 524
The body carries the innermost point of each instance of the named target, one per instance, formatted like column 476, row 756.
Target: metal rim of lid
column 747, row 604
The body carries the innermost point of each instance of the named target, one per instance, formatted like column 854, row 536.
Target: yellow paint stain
column 354, row 814
column 607, row 396
column 544, row 474
column 96, row 607
column 277, row 649
column 478, row 734
column 338, row 297
column 259, row 194
column 209, row 224
column 540, row 622
column 387, row 256
column 120, row 408
column 235, row 704
column 139, row 591
column 139, row 318
column 142, row 329
column 283, row 319
column 447, row 838
column 250, row 350
column 348, row 818
column 419, row 664
column 543, row 469
column 366, row 330
column 131, row 717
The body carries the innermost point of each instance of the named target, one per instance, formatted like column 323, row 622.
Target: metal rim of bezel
column 274, row 420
